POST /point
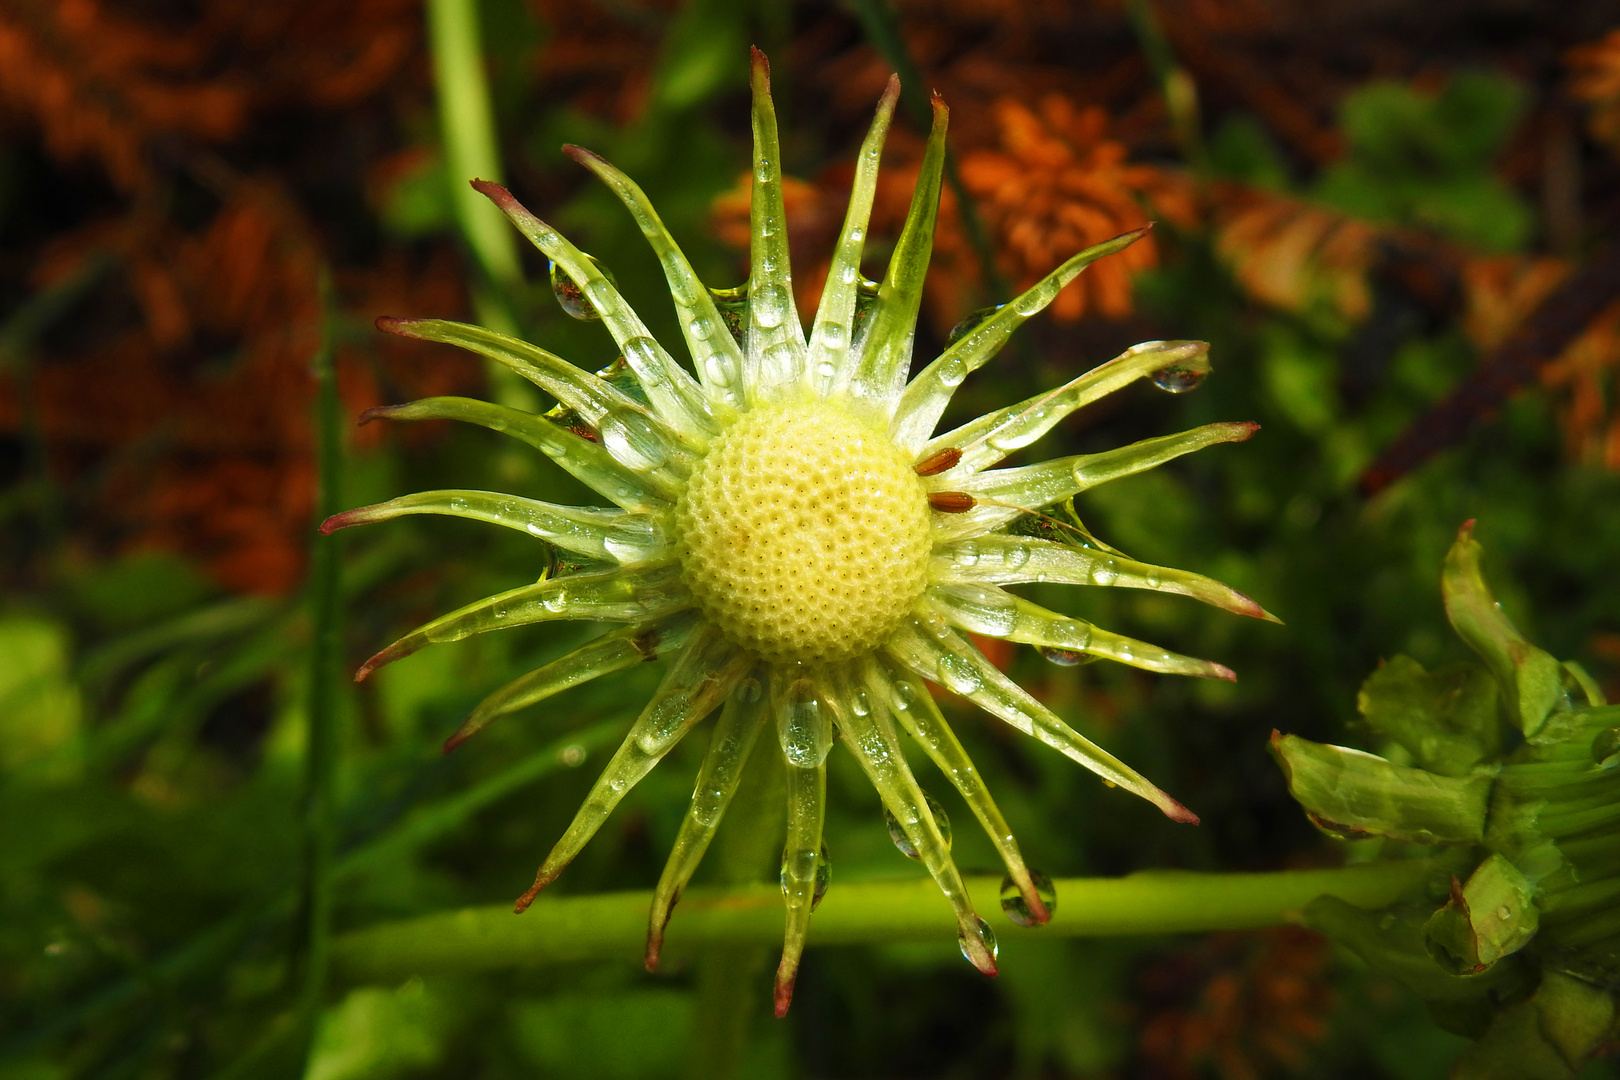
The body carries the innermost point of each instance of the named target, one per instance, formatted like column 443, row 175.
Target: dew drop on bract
column 971, row 321
column 1065, row 657
column 823, row 878
column 897, row 832
column 1012, row 898
column 1177, row 379
column 986, row 935
column 623, row 378
column 569, row 420
column 748, row 690
column 571, row 296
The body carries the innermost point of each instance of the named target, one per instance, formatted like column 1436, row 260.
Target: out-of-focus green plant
column 1512, row 762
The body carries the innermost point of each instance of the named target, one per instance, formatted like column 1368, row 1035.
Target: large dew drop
column 986, row 935
column 1178, row 379
column 1012, row 898
column 897, row 831
column 823, row 877
column 970, row 322
column 571, row 296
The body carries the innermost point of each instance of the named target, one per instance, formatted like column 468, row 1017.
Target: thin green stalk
column 613, row 925
column 882, row 29
column 325, row 683
column 1175, row 83
column 472, row 152
column 467, row 129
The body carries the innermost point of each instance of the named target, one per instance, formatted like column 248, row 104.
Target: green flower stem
column 614, row 925
column 471, row 151
column 467, row 128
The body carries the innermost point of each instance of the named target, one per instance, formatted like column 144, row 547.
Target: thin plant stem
column 613, row 925
column 467, row 131
column 472, row 152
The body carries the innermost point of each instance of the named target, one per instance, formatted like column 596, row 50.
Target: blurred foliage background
column 1397, row 223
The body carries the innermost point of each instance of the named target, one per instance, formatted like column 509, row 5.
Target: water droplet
column 847, row 274
column 958, row 673
column 904, row 694
column 632, row 440
column 986, row 936
column 1012, row 899
column 747, row 691
column 969, row 323
column 857, row 235
column 859, row 704
column 897, row 831
column 832, row 336
column 1178, row 379
column 762, row 170
column 1065, row 657
column 991, row 610
column 826, row 369
column 967, row 554
column 1104, row 573
column 823, row 877
column 802, row 728
column 571, row 756
column 1014, row 558
column 1029, row 304
column 1504, row 912
column 722, row 371
column 569, row 293
column 701, row 328
column 622, row 377
column 1024, row 431
column 953, row 371
column 1606, row 745
column 769, row 306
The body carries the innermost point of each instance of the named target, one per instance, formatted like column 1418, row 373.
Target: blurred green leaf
column 634, row 1034
column 1446, row 719
column 39, row 704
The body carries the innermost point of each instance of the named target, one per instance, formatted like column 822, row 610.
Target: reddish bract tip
column 527, row 898
column 891, row 92
column 1223, row 672
column 759, row 64
column 387, row 656
column 336, row 522
column 1467, row 530
column 1178, row 813
column 784, row 993
column 495, row 194
column 582, row 155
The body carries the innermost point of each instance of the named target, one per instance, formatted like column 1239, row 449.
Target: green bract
column 1520, row 949
column 791, row 534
